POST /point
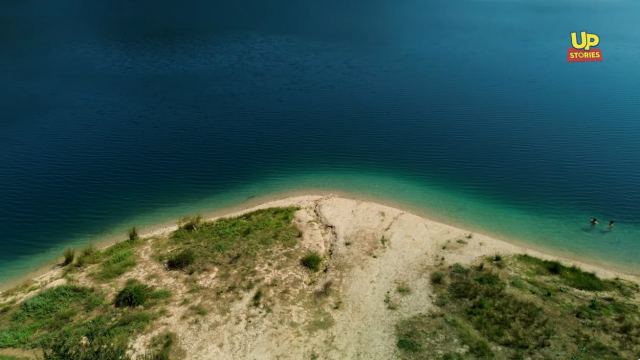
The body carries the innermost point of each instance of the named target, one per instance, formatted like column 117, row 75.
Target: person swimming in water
column 611, row 224
column 594, row 221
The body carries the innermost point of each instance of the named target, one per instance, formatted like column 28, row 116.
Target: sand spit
column 370, row 250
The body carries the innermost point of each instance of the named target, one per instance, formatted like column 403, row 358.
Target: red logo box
column 575, row 55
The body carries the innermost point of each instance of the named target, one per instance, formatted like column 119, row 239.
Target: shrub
column 132, row 295
column 88, row 255
column 408, row 344
column 69, row 255
column 181, row 260
column 257, row 297
column 133, row 234
column 437, row 277
column 459, row 269
column 190, row 223
column 312, row 261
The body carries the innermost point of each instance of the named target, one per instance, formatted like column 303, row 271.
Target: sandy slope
column 370, row 249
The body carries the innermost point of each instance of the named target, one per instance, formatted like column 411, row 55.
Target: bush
column 69, row 255
column 437, row 277
column 181, row 260
column 133, row 235
column 312, row 261
column 132, row 295
column 257, row 297
column 191, row 223
column 87, row 256
column 408, row 344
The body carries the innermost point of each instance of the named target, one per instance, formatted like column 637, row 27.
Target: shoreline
column 256, row 202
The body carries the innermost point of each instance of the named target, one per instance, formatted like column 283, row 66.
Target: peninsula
column 319, row 277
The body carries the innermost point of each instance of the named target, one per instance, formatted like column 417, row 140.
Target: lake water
column 122, row 114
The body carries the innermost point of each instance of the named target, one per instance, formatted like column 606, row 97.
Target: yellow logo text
column 586, row 40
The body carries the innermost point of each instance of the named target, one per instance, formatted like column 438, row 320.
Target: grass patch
column 37, row 318
column 181, row 260
column 89, row 255
column 132, row 295
column 103, row 337
column 191, row 223
column 233, row 241
column 231, row 245
column 74, row 322
column 403, row 289
column 163, row 347
column 116, row 260
column 136, row 294
column 312, row 261
column 523, row 307
column 571, row 276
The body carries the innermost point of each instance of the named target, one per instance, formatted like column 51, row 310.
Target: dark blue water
column 124, row 113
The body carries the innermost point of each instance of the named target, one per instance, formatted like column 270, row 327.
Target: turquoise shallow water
column 562, row 231
column 119, row 114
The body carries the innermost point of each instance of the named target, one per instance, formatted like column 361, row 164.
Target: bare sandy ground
column 346, row 311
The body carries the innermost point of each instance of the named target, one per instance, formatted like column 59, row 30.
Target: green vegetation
column 403, row 289
column 136, row 294
column 35, row 320
column 89, row 255
column 78, row 323
column 190, row 223
column 571, row 276
column 257, row 297
column 133, row 234
column 132, row 295
column 104, row 337
column 163, row 347
column 74, row 322
column 116, row 260
column 230, row 244
column 436, row 277
column 69, row 255
column 524, row 307
column 181, row 260
column 312, row 261
column 236, row 239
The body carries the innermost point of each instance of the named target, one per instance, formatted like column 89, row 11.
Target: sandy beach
column 51, row 268
column 372, row 248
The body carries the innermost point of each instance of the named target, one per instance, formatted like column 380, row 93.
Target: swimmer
column 611, row 224
column 594, row 221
